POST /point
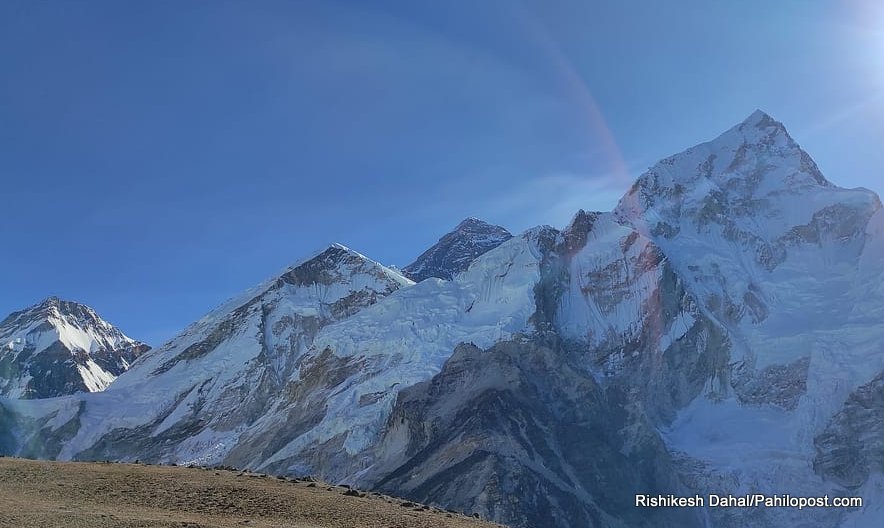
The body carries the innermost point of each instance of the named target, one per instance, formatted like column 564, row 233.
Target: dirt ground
column 38, row 494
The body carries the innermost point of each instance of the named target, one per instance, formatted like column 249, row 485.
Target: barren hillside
column 76, row 494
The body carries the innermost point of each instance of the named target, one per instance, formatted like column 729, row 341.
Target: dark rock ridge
column 456, row 250
column 851, row 447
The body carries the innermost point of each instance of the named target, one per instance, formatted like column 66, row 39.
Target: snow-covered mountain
column 721, row 331
column 60, row 347
column 789, row 267
column 456, row 250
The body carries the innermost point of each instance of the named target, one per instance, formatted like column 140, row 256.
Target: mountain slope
column 60, row 347
column 456, row 250
column 200, row 392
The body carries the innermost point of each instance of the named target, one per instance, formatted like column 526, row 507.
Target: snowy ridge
column 311, row 298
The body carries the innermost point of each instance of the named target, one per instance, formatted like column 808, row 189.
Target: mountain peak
column 335, row 250
column 582, row 220
column 61, row 347
column 329, row 257
column 751, row 160
column 336, row 263
column 759, row 128
column 473, row 223
column 760, row 118
column 52, row 300
column 62, row 306
column 58, row 311
column 455, row 251
column 753, row 170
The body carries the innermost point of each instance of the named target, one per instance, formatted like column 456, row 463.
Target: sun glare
column 869, row 24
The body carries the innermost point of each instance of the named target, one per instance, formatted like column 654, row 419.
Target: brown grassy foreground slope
column 79, row 494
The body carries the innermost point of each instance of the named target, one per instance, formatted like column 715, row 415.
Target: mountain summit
column 59, row 347
column 754, row 167
column 456, row 250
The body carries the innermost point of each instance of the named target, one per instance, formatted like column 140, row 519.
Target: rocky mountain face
column 720, row 332
column 61, row 347
column 456, row 250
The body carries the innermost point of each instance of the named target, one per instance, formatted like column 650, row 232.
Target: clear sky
column 159, row 157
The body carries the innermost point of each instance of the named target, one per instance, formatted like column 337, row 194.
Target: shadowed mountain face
column 60, row 347
column 523, row 434
column 457, row 250
column 719, row 332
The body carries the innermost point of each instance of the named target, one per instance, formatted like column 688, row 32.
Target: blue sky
column 157, row 158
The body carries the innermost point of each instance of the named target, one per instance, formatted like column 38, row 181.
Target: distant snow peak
column 336, row 264
column 762, row 120
column 473, row 223
column 454, row 252
column 52, row 300
column 58, row 347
